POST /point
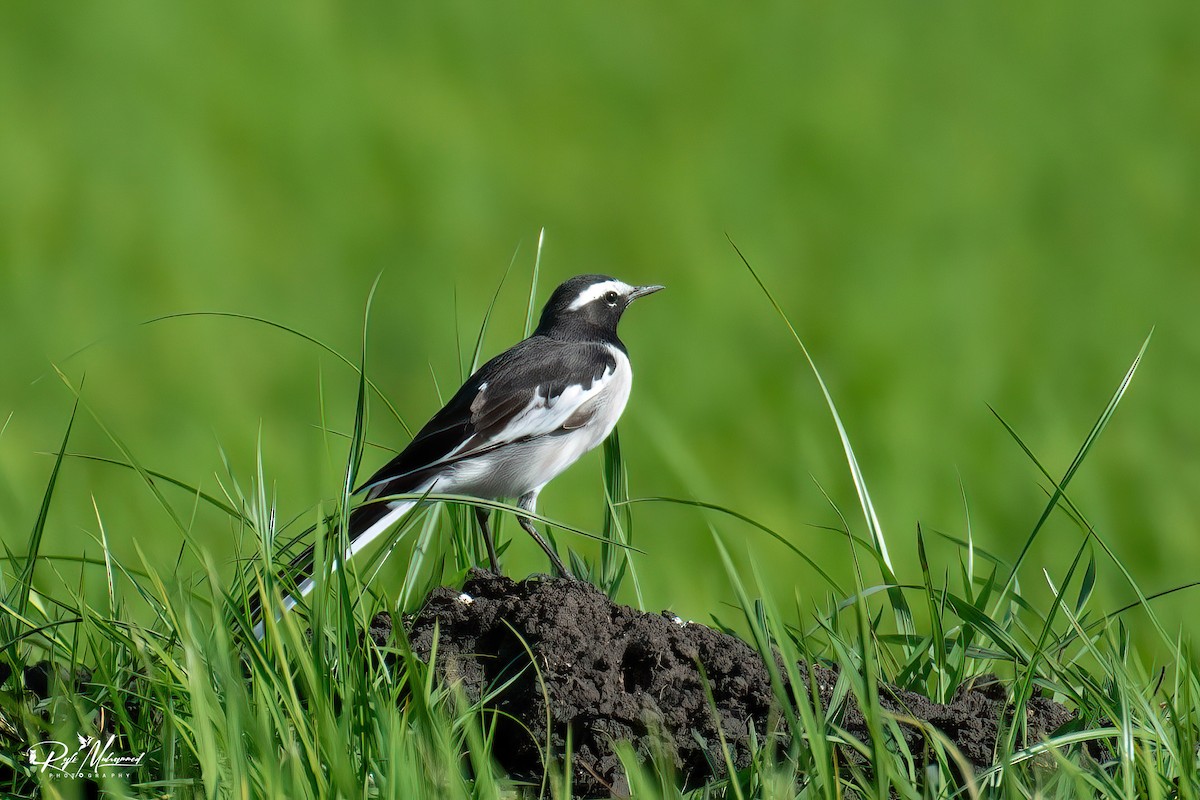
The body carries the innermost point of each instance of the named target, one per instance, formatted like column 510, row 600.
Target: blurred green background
column 957, row 206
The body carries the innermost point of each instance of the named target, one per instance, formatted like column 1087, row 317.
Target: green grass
column 958, row 206
column 175, row 675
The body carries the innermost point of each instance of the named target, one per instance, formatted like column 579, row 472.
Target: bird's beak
column 642, row 291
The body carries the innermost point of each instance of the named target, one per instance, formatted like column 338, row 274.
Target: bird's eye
column 611, row 298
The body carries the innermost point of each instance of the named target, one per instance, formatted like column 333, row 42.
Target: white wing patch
column 526, row 458
column 597, row 290
column 545, row 415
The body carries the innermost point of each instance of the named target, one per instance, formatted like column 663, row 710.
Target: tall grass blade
column 109, row 582
column 353, row 464
column 899, row 605
column 615, row 558
column 935, row 619
column 358, row 436
column 286, row 329
column 753, row 523
column 487, row 315
column 24, row 584
column 1061, row 486
column 533, row 284
column 194, row 491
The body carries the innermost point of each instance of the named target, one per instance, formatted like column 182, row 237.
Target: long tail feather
column 367, row 522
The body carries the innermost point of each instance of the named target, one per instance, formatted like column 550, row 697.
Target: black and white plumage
column 516, row 424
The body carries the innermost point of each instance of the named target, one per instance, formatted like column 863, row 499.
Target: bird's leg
column 529, row 503
column 482, row 514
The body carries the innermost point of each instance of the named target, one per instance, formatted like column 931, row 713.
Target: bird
column 517, row 423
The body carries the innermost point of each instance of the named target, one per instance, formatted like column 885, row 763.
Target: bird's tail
column 365, row 524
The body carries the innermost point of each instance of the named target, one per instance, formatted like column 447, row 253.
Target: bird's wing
column 537, row 388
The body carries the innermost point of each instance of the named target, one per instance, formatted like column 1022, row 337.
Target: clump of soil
column 608, row 673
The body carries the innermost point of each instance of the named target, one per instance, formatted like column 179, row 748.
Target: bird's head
column 590, row 303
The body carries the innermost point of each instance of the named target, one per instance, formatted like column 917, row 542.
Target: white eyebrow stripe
column 599, row 290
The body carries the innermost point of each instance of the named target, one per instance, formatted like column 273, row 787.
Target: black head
column 589, row 305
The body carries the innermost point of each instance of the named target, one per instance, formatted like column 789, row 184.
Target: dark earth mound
column 609, row 672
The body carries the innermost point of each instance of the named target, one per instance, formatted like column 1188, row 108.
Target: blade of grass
column 533, row 284
column 753, row 523
column 109, row 583
column 187, row 487
column 24, row 585
column 487, row 316
column 935, row 618
column 458, row 351
column 1023, row 688
column 1060, row 486
column 899, row 605
column 353, row 464
column 184, row 530
column 279, row 326
column 1060, row 495
column 618, row 523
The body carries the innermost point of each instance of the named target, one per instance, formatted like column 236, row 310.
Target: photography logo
column 92, row 758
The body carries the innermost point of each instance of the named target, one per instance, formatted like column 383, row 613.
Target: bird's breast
column 609, row 402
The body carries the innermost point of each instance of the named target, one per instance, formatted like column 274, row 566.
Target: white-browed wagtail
column 515, row 425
